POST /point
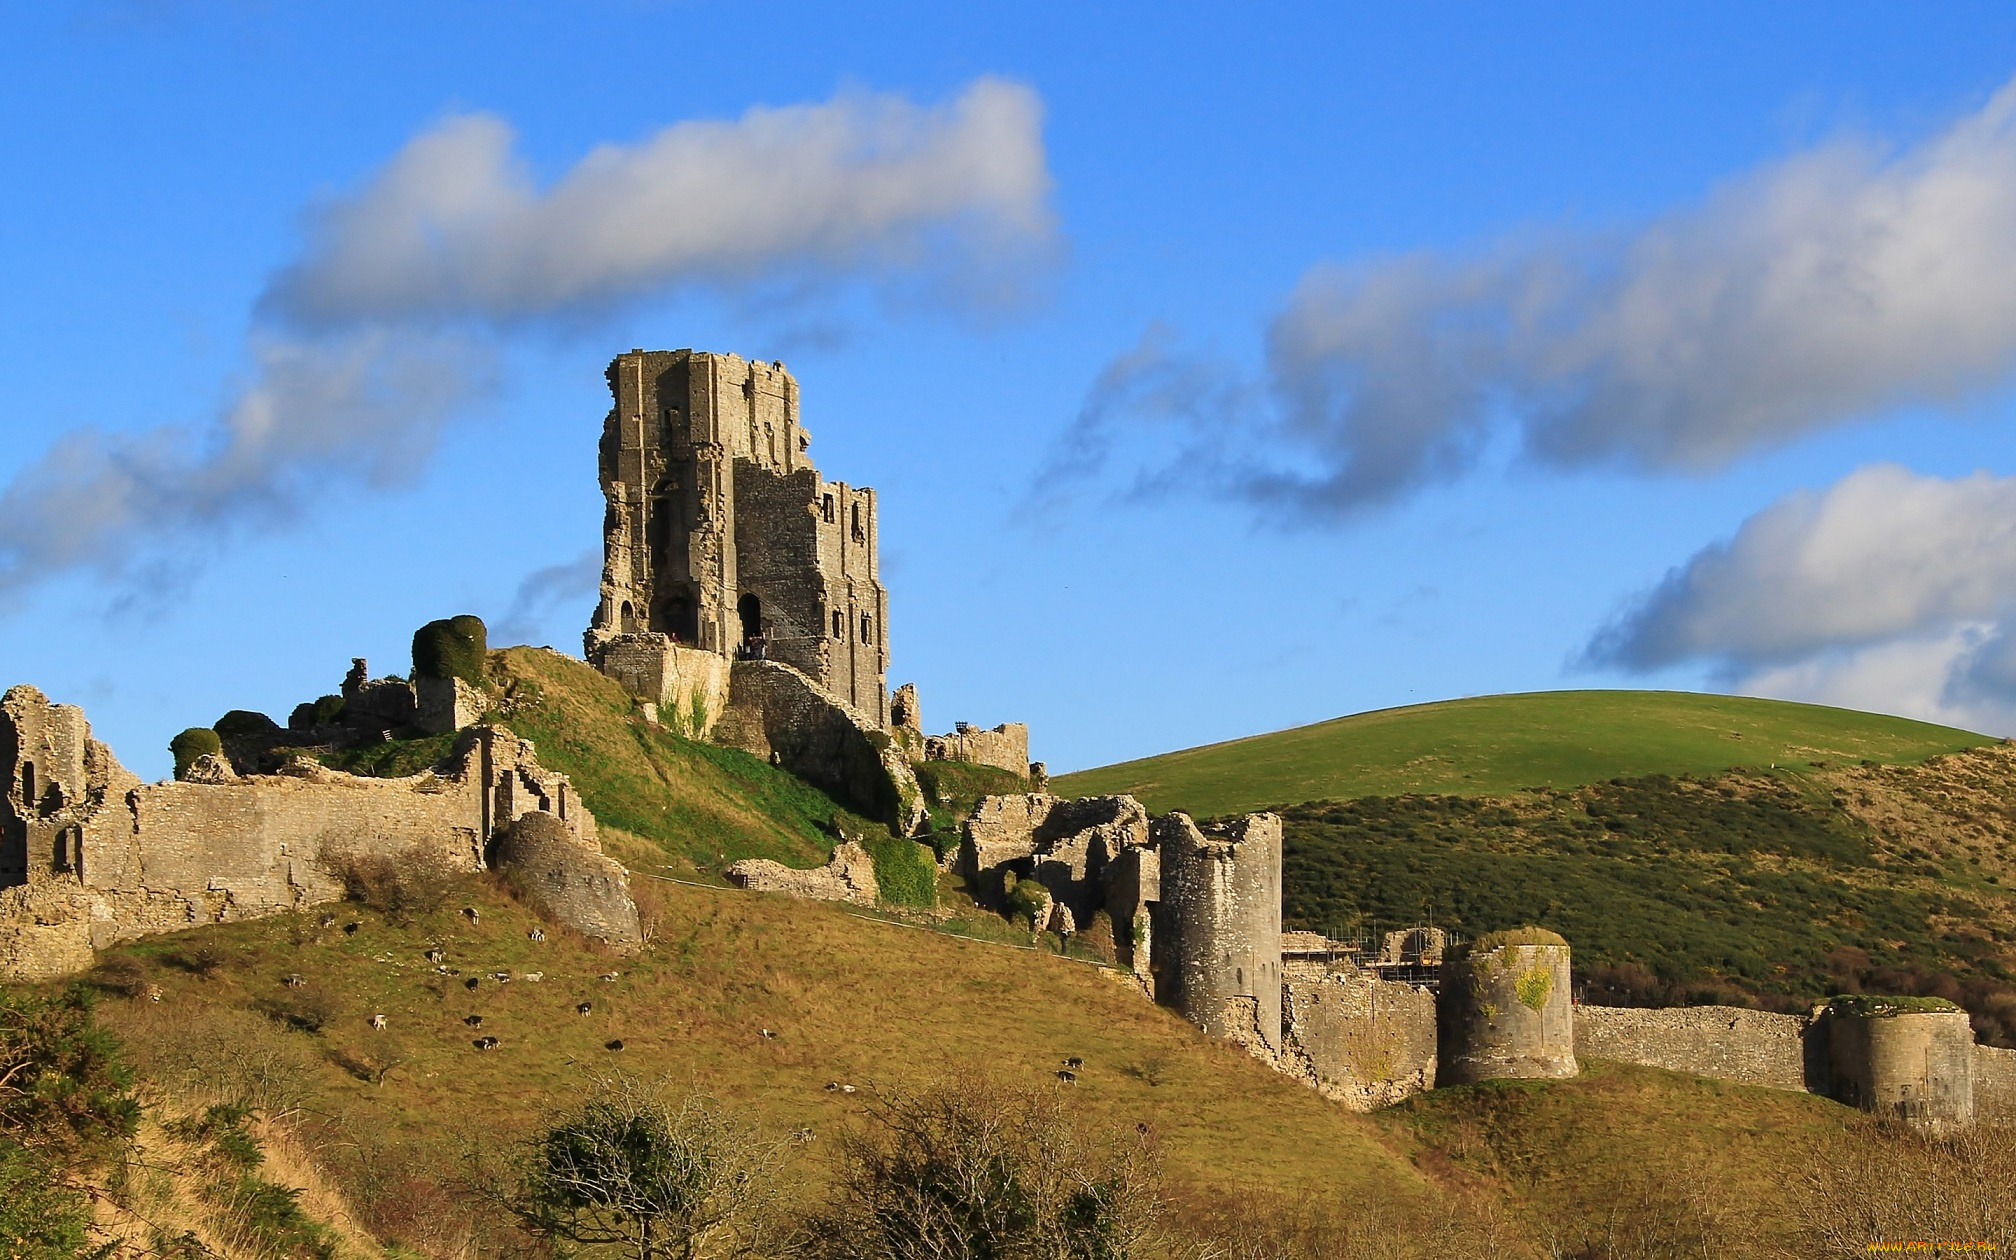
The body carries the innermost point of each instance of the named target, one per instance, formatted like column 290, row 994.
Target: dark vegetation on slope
column 1744, row 888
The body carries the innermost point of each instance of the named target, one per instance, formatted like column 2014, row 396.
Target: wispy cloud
column 365, row 408
column 1829, row 287
column 545, row 591
column 455, row 226
column 387, row 325
column 1889, row 590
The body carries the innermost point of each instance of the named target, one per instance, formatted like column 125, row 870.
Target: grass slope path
column 1492, row 745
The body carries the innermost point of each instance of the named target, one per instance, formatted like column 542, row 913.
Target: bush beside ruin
column 453, row 647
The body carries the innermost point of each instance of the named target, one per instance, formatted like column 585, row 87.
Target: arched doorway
column 627, row 618
column 751, row 610
column 682, row 618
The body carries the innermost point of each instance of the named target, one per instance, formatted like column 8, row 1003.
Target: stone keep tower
column 722, row 535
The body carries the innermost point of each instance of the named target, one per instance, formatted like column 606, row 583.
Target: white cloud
column 1889, row 590
column 455, row 226
column 1930, row 677
column 365, row 408
column 1834, row 285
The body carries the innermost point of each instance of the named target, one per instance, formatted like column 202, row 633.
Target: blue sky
column 1218, row 372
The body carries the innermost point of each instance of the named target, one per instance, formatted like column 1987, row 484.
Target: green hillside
column 1495, row 744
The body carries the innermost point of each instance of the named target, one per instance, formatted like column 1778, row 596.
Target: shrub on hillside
column 197, row 741
column 977, row 1169
column 325, row 711
column 399, row 886
column 245, row 724
column 651, row 1175
column 453, row 647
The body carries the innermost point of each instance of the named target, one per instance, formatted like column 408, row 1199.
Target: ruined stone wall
column 568, row 880
column 1006, row 747
column 1994, row 1081
column 1218, row 930
column 1725, row 1043
column 776, row 712
column 857, row 602
column 848, row 876
column 55, row 776
column 157, row 857
column 1360, row 1040
column 686, row 687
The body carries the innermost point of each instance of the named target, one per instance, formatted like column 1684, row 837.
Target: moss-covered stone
column 453, row 647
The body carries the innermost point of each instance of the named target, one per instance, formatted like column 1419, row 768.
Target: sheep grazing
column 1074, row 1063
column 1068, row 1077
column 613, row 1045
column 471, row 913
column 610, row 976
column 437, row 956
column 846, row 1089
column 767, row 1035
column 534, row 976
column 350, row 929
column 832, row 1087
column 536, row 934
column 328, row 920
column 501, row 977
column 471, row 982
column 474, row 1021
column 378, row 1023
column 294, row 981
column 485, row 1043
column 584, row 1008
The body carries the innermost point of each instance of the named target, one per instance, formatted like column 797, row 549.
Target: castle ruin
column 741, row 597
column 1195, row 914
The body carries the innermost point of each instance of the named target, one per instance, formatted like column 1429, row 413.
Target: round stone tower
column 1218, row 935
column 1505, row 1009
column 1912, row 1058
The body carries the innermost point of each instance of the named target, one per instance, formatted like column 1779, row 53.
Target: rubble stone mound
column 576, row 885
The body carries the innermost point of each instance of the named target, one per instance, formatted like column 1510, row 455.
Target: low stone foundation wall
column 850, row 877
column 1726, row 1043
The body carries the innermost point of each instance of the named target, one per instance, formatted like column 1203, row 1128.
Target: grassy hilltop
column 1494, row 744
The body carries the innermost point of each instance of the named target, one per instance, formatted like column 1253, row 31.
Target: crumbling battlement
column 1006, row 747
column 108, row 858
